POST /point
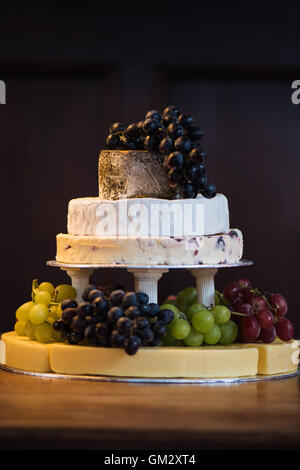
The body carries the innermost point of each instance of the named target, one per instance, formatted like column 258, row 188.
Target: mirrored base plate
column 102, row 378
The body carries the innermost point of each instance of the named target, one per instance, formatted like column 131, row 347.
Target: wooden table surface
column 66, row 414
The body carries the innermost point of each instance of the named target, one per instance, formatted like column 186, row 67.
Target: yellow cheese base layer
column 238, row 360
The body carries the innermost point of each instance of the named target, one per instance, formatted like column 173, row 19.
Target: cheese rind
column 210, row 249
column 278, row 357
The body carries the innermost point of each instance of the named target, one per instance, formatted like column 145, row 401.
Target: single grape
column 60, row 325
column 38, row 313
column 147, row 336
column 142, row 298
column 279, row 303
column 117, row 339
column 43, row 297
column 174, row 309
column 146, row 310
column 68, row 303
column 94, row 294
column 114, row 314
column 85, row 309
column 213, row 336
column 43, row 332
column 265, row 318
column 169, row 340
column 190, row 294
column 194, row 339
column 68, row 314
column 132, row 312
column 30, row 330
column 63, row 292
column 258, row 303
column 130, row 299
column 22, row 314
column 268, row 335
column 180, row 328
column 79, row 324
column 123, row 325
column 154, row 309
column 244, row 308
column 221, row 313
column 48, row 287
column 132, row 344
column 249, row 329
column 20, row 328
column 244, row 283
column 166, row 316
column 87, row 290
column 229, row 332
column 195, row 307
column 217, row 298
column 231, row 291
column 101, row 306
column 159, row 328
column 116, row 297
column 203, row 321
column 284, row 329
column 53, row 312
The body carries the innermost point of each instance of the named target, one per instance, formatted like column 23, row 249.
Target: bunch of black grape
column 116, row 319
column 174, row 135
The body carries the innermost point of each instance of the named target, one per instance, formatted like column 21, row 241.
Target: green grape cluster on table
column 195, row 325
column 36, row 317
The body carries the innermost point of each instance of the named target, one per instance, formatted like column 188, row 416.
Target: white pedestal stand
column 205, row 285
column 80, row 278
column 146, row 277
column 145, row 280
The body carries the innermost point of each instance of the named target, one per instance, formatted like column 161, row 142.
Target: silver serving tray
column 105, row 378
column 241, row 263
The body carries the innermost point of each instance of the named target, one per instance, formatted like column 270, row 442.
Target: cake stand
column 146, row 277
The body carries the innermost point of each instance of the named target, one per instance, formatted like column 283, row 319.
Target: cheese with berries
column 211, row 249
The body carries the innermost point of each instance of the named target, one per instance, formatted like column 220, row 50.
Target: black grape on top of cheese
column 168, row 132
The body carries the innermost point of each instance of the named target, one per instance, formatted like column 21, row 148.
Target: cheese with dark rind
column 132, row 174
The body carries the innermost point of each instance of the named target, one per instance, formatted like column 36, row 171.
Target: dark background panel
column 71, row 70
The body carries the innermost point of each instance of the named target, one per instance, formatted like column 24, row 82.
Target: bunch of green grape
column 36, row 317
column 194, row 324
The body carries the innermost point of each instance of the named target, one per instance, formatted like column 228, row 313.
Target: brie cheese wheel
column 142, row 217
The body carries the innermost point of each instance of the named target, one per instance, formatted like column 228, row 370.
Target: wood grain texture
column 64, row 414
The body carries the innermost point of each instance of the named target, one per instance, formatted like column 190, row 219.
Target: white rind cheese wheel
column 148, row 217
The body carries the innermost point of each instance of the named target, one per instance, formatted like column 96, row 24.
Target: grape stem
column 239, row 314
column 257, row 291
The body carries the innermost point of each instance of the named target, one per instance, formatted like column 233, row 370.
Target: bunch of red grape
column 260, row 316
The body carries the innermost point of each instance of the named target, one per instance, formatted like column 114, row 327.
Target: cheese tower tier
column 132, row 173
column 237, row 360
column 224, row 248
column 142, row 217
